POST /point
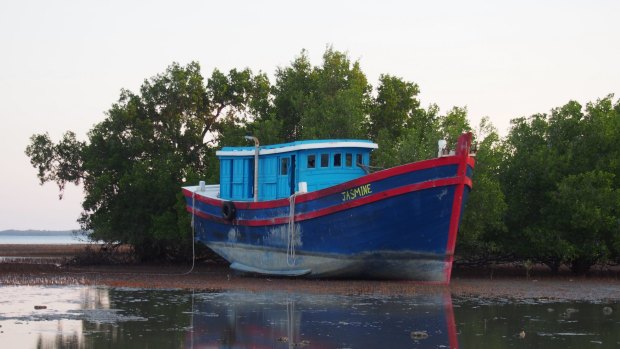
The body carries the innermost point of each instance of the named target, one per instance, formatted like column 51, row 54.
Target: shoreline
column 43, row 265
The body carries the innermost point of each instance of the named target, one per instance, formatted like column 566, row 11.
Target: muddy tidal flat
column 46, row 302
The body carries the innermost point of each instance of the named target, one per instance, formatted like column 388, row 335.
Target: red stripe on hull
column 460, row 181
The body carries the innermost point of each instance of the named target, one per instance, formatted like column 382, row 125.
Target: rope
column 193, row 234
column 290, row 250
column 367, row 168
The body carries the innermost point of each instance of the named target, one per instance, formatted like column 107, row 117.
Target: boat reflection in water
column 244, row 320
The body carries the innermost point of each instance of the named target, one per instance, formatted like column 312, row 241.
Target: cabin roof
column 298, row 145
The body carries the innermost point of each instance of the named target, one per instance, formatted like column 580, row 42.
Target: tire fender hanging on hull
column 228, row 210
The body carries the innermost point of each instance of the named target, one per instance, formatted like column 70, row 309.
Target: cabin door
column 285, row 175
column 291, row 177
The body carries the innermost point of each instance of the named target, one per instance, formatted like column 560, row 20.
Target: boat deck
column 211, row 190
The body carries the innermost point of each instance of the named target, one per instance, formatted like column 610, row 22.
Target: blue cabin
column 281, row 167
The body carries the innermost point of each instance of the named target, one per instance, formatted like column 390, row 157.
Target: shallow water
column 49, row 239
column 96, row 317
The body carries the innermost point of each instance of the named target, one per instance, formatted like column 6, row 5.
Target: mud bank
column 26, row 250
column 218, row 277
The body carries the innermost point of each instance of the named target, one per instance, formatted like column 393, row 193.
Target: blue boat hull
column 399, row 223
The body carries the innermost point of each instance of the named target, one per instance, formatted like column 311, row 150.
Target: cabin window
column 348, row 158
column 358, row 159
column 324, row 160
column 284, row 166
column 337, row 160
column 311, row 161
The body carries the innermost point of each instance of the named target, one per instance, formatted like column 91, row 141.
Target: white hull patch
column 381, row 265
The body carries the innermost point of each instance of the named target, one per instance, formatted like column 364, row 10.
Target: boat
column 315, row 209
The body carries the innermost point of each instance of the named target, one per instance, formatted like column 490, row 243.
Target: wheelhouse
column 315, row 164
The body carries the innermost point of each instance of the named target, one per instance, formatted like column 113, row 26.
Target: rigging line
column 290, row 250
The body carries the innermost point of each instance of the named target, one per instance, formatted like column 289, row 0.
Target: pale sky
column 63, row 63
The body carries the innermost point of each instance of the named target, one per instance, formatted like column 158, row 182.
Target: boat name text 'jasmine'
column 360, row 191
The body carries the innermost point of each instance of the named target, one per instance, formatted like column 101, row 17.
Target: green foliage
column 293, row 92
column 483, row 220
column 136, row 158
column 392, row 108
column 339, row 101
column 417, row 140
column 327, row 101
column 397, row 123
column 559, row 187
column 59, row 163
column 583, row 212
column 453, row 124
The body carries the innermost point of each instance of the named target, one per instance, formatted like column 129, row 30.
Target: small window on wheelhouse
column 358, row 160
column 337, row 160
column 284, row 166
column 324, row 160
column 348, row 159
column 311, row 161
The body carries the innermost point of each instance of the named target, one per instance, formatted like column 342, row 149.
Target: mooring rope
column 193, row 234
